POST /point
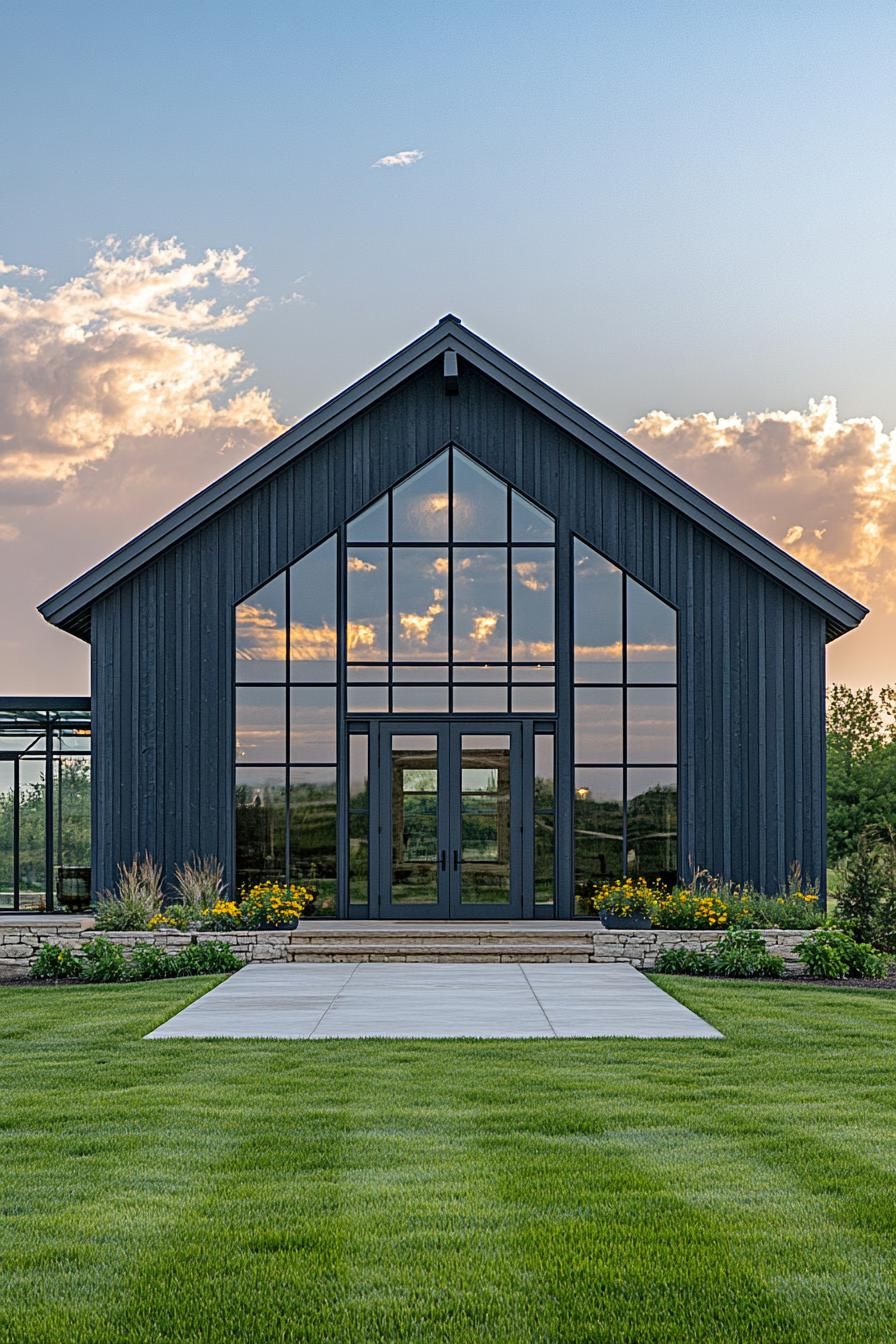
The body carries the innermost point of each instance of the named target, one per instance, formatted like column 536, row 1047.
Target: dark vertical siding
column 751, row 696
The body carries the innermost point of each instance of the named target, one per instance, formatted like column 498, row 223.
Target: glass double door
column 450, row 820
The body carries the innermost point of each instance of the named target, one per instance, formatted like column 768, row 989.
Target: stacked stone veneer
column 22, row 937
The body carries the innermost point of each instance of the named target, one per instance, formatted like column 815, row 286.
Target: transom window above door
column 450, row 597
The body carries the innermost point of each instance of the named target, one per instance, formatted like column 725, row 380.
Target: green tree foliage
column 861, row 736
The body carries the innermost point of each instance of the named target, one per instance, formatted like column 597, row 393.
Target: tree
column 861, row 740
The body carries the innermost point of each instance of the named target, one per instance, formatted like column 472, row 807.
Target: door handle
column 454, row 852
column 443, row 860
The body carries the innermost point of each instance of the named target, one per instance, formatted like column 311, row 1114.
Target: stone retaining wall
column 641, row 947
column 21, row 938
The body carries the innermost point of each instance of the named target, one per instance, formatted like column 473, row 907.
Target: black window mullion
column 287, row 837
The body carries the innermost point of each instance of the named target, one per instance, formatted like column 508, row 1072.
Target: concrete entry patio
column 312, row 1002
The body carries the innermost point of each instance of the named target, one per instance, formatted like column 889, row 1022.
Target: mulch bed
column 888, row 982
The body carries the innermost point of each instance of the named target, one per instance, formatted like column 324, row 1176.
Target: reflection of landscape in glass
column 312, row 831
column 415, row 820
column 485, row 821
column 626, row 740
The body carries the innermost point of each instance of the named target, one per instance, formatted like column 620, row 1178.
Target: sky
column 215, row 216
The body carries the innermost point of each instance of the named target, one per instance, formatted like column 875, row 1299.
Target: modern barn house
column 451, row 649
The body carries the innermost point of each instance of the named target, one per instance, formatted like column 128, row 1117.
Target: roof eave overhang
column 69, row 608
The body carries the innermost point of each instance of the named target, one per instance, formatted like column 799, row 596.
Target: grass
column 674, row 1191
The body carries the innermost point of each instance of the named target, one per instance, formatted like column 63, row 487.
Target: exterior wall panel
column 751, row 654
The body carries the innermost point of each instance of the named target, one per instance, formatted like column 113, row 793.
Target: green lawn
column 513, row 1191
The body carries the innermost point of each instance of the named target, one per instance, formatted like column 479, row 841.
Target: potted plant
column 624, row 904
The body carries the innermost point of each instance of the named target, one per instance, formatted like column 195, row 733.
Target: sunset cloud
column 119, row 354
column 403, row 159
column 821, row 487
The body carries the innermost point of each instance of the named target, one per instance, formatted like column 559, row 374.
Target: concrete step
column 422, row 949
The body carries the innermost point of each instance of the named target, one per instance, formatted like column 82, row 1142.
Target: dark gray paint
column 751, row 651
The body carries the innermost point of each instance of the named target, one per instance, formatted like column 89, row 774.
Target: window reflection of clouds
column 420, row 504
column 420, row 604
column 480, row 604
column 367, row 590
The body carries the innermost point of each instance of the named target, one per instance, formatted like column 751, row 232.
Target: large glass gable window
column 450, row 600
column 625, row 734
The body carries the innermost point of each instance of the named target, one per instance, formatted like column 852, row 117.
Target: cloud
column 403, row 159
column 821, row 487
column 121, row 353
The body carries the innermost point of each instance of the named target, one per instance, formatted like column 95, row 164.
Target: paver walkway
column 420, row 999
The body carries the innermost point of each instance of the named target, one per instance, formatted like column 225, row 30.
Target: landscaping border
column 21, row 939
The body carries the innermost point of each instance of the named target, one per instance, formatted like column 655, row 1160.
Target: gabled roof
column 70, row 607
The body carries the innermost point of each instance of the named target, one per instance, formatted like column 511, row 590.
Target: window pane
column 358, row 857
column 532, row 605
column 651, row 636
column 652, row 824
column 7, row 810
column 312, row 617
column 480, row 503
column 597, row 617
column 480, row 672
column 597, row 811
column 312, row 834
column 372, row 524
column 527, row 523
column 32, row 829
column 419, row 672
column 480, row 699
column 544, row 771
column 598, row 736
column 357, row 770
column 420, row 603
column 652, row 736
column 367, row 632
column 532, row 700
column 260, row 825
column 368, row 674
column 420, row 504
column 480, row 604
column 260, row 724
column 544, row 857
column 71, row 808
column 540, row 672
column 261, row 634
column 420, row 699
column 367, row 700
column 312, row 724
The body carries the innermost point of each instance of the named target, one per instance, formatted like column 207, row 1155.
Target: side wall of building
column 751, row 654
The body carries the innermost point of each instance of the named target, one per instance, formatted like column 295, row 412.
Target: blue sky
column 653, row 204
column 677, row 206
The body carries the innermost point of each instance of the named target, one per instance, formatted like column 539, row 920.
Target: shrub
column 833, row 954
column 683, row 961
column 864, row 886
column 137, row 896
column 211, row 958
column 743, row 954
column 149, row 962
column 740, row 954
column 101, row 962
column 55, row 963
